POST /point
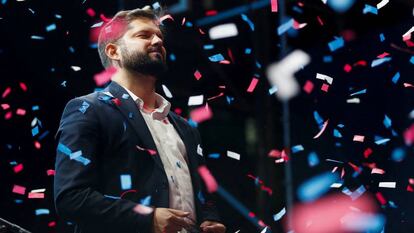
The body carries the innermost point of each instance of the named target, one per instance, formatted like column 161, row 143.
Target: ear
column 112, row 51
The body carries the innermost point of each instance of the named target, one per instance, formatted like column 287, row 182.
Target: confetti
column 370, row 9
column 104, row 77
column 197, row 75
column 223, row 31
column 336, row 44
column 252, row 85
column 387, row 184
column 195, row 100
column 208, row 179
column 233, row 155
column 273, row 4
column 279, row 215
column 167, row 92
column 19, row 189
column 126, row 182
column 248, row 21
column 315, row 187
column 201, row 114
column 281, row 74
column 340, row 5
column 216, row 58
column 358, row 138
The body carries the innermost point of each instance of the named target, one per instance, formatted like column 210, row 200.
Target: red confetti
column 381, row 198
column 367, row 152
column 91, row 12
column 308, row 87
column 18, row 168
column 23, row 86
column 347, row 68
column 8, row 115
column 325, row 87
column 37, row 145
column 208, row 179
column 116, row 101
column 274, row 5
column 36, row 195
column 252, row 85
column 211, row 12
column 201, row 114
column 6, row 92
column 50, row 172
column 197, row 75
column 19, row 189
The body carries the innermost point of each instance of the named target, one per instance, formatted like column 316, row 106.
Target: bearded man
column 125, row 162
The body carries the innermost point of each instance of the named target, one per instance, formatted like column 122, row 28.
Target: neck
column 141, row 85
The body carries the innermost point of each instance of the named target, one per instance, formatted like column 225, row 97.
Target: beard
column 142, row 62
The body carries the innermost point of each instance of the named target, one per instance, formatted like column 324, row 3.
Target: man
column 122, row 149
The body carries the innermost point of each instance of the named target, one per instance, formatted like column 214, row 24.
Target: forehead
column 142, row 24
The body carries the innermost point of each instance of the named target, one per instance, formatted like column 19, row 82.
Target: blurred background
column 363, row 113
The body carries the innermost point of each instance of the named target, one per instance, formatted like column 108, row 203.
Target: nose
column 156, row 40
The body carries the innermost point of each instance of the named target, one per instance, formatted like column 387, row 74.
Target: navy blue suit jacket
column 101, row 138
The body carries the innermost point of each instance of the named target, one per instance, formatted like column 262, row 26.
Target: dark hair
column 113, row 30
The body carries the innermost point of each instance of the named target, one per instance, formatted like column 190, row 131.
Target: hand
column 213, row 227
column 169, row 220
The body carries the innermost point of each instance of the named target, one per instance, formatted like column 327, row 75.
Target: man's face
column 142, row 48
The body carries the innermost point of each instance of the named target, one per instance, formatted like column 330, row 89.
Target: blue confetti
column 358, row 192
column 313, row 159
column 51, row 27
column 44, row 134
column 398, row 154
column 35, row 131
column 363, row 222
column 340, row 6
column 248, row 51
column 382, row 37
column 279, row 215
column 188, row 24
column 336, row 44
column 146, row 201
column 318, row 119
column 387, row 122
column 172, row 57
column 248, row 21
column 71, row 49
column 285, row 27
column 315, row 187
column 126, row 182
column 42, row 211
column 381, row 141
column 297, row 148
column 112, row 197
column 214, row 156
column 359, row 92
column 370, row 9
column 337, row 134
column 125, row 96
column 412, row 59
column 84, row 107
column 97, row 24
column 258, row 65
column 200, row 197
column 3, row 2
column 327, row 59
column 64, row 149
column 216, row 58
column 396, row 77
column 192, row 123
column 379, row 61
column 34, row 37
column 156, row 5
column 208, row 47
column 272, row 90
column 35, row 108
column 76, row 154
column 58, row 16
column 229, row 99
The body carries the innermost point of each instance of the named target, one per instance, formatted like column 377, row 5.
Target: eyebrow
column 148, row 29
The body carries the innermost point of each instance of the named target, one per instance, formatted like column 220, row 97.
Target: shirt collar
column 160, row 112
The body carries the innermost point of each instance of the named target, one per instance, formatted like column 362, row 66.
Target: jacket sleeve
column 76, row 178
column 208, row 206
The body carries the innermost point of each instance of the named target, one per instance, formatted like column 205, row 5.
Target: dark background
column 251, row 124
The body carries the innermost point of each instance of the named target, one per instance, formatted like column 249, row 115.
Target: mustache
column 155, row 49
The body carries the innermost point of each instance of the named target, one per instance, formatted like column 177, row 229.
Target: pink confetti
column 252, row 85
column 201, row 31
column 36, row 195
column 150, row 151
column 6, row 92
column 19, row 189
column 325, row 87
column 358, row 138
column 360, row 63
column 274, row 5
column 201, row 114
column 319, row 20
column 367, row 152
column 8, row 115
column 142, row 209
column 166, row 17
column 383, row 55
column 50, row 172
column 408, row 85
column 381, row 198
column 104, row 76
column 5, row 106
column 308, row 87
column 21, row 112
column 322, row 130
column 225, row 62
column 377, row 171
column 18, row 168
column 409, row 135
column 215, row 97
column 274, row 154
column 23, row 86
column 183, row 21
column 91, row 12
column 208, row 179
column 326, row 214
column 410, row 189
column 51, row 224
column 37, row 145
column 197, row 75
column 347, row 68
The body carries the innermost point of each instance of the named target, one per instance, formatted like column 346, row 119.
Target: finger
column 216, row 228
column 179, row 221
column 179, row 213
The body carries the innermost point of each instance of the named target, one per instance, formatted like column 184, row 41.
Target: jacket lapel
column 126, row 105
